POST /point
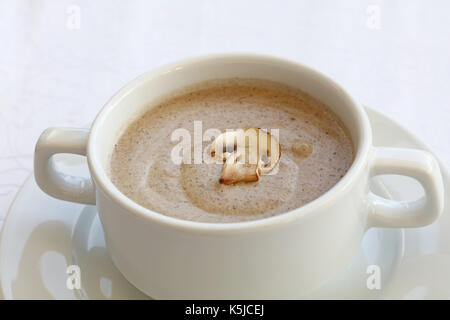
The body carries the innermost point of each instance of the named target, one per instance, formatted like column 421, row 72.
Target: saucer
column 42, row 236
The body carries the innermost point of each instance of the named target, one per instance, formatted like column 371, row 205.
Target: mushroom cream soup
column 304, row 149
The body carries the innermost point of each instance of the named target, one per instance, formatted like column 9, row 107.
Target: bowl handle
column 418, row 164
column 54, row 182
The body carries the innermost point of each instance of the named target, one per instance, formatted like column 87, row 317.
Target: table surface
column 61, row 60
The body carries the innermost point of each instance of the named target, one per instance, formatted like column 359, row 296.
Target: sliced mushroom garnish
column 247, row 154
column 233, row 171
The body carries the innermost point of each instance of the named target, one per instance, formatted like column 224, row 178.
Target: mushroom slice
column 233, row 171
column 247, row 154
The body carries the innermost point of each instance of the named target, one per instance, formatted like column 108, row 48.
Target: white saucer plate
column 42, row 236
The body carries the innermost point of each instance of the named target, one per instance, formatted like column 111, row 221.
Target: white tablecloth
column 61, row 60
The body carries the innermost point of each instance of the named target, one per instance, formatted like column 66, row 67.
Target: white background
column 61, row 60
